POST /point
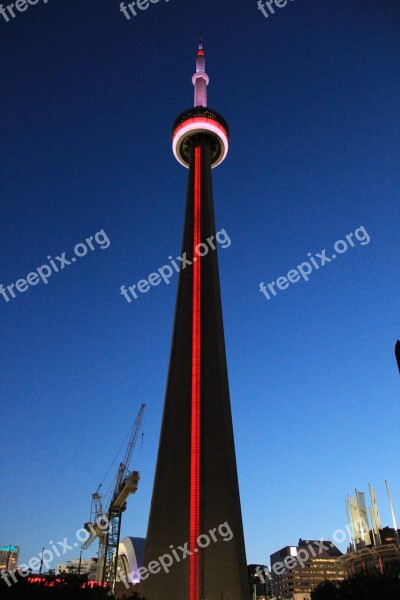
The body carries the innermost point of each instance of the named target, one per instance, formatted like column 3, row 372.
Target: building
column 388, row 535
column 79, row 566
column 260, row 582
column 8, row 557
column 195, row 518
column 374, row 556
column 297, row 570
column 130, row 559
column 372, row 547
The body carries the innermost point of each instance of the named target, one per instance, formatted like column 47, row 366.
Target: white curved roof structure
column 130, row 557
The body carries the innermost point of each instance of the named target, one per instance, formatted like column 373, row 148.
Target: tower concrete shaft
column 195, row 515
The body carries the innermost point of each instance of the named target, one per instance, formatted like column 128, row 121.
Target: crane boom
column 124, row 466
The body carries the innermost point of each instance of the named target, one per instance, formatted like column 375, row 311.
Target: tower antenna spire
column 200, row 78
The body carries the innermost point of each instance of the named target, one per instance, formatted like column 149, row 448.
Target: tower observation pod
column 195, row 544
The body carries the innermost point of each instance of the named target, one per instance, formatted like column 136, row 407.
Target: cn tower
column 196, row 492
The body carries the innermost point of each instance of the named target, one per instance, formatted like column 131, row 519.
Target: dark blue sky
column 311, row 94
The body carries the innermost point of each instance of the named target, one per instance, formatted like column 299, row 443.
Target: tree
column 60, row 587
column 328, row 590
column 371, row 585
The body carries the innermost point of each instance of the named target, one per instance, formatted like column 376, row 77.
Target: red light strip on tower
column 194, row 525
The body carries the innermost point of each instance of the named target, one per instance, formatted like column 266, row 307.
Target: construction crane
column 126, row 483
